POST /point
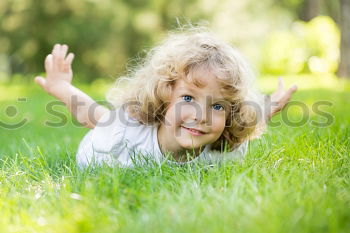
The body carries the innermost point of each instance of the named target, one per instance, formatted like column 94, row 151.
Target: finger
column 48, row 63
column 290, row 92
column 61, row 55
column 293, row 88
column 284, row 100
column 69, row 58
column 58, row 57
column 55, row 57
column 279, row 91
column 56, row 49
column 280, row 84
column 63, row 51
column 40, row 81
column 68, row 62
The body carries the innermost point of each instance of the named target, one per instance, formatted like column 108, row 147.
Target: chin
column 190, row 145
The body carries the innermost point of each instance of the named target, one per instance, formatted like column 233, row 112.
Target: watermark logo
column 11, row 111
column 200, row 112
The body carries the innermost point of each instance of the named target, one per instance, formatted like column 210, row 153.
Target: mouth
column 194, row 132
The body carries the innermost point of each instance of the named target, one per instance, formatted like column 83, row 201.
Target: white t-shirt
column 118, row 139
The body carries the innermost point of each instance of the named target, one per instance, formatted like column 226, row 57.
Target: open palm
column 58, row 70
column 279, row 99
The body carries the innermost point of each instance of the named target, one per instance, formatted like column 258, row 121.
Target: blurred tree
column 339, row 10
column 344, row 67
column 310, row 9
column 104, row 34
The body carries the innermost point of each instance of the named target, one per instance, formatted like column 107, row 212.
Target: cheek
column 169, row 116
column 177, row 114
column 173, row 117
column 219, row 123
column 187, row 112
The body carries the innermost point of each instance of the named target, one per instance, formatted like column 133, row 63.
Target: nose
column 203, row 115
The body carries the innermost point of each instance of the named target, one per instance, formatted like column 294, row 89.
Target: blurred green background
column 278, row 37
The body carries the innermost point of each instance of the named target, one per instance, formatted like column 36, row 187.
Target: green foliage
column 307, row 47
column 108, row 34
column 102, row 34
column 301, row 8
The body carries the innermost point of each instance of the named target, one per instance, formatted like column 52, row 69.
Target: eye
column 218, row 107
column 187, row 98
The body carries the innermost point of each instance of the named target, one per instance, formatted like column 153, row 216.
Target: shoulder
column 111, row 128
column 116, row 130
column 109, row 140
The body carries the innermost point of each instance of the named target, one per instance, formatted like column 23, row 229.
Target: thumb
column 292, row 89
column 40, row 81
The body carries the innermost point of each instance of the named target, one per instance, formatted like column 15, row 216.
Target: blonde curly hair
column 149, row 86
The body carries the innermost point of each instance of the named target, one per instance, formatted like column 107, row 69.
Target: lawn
column 295, row 178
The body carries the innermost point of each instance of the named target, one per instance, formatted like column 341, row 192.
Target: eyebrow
column 187, row 89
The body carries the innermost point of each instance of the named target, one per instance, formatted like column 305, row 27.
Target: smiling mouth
column 194, row 131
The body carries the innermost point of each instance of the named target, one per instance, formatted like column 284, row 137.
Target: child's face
column 194, row 108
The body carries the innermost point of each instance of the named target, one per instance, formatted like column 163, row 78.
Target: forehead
column 199, row 81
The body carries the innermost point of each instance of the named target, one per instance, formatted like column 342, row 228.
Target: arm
column 58, row 84
column 278, row 100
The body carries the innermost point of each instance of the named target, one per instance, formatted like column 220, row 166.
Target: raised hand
column 58, row 70
column 58, row 84
column 278, row 100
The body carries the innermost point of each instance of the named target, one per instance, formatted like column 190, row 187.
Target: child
column 192, row 99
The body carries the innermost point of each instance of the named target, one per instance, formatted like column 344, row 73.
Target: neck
column 179, row 154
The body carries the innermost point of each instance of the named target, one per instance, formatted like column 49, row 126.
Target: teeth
column 193, row 130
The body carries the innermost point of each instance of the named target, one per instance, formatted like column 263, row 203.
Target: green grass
column 294, row 179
